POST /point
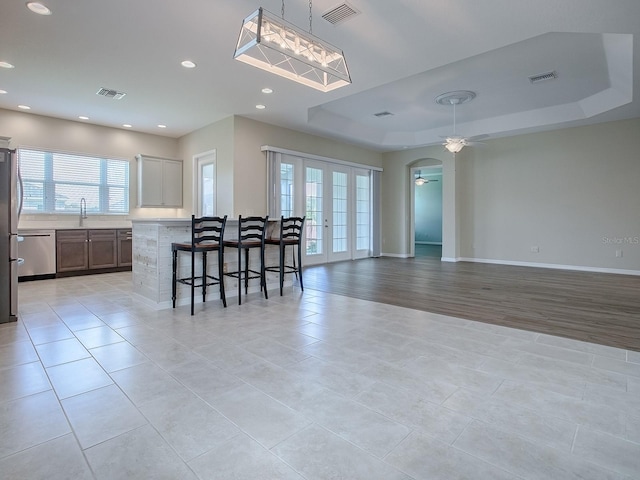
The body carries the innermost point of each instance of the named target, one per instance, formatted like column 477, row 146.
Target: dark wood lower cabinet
column 125, row 248
column 72, row 250
column 81, row 252
column 103, row 249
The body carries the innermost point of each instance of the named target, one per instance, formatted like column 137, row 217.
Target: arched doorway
column 426, row 210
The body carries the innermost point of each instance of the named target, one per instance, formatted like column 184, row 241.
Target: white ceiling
column 401, row 54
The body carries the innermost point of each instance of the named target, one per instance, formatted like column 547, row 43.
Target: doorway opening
column 426, row 211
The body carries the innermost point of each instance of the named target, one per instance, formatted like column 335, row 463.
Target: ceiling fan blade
column 475, row 138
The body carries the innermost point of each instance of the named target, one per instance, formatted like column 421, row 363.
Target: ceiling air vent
column 383, row 114
column 543, row 77
column 107, row 92
column 339, row 14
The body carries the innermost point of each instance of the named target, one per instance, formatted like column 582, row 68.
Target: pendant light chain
column 282, row 12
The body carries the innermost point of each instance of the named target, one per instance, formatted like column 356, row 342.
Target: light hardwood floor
column 593, row 307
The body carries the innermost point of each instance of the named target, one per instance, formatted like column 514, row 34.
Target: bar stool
column 207, row 235
column 290, row 236
column 251, row 234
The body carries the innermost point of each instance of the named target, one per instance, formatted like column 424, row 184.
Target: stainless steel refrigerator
column 9, row 211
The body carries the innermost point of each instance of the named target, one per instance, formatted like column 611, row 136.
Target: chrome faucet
column 83, row 210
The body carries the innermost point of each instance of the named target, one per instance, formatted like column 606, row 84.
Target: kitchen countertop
column 38, row 229
column 114, row 227
column 182, row 221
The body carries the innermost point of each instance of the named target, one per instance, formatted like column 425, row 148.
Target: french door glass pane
column 207, row 186
column 286, row 189
column 363, row 212
column 340, row 240
column 313, row 210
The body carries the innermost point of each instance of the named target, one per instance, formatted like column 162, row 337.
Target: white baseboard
column 556, row 266
column 617, row 271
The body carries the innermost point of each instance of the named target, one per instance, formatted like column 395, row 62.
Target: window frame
column 56, row 159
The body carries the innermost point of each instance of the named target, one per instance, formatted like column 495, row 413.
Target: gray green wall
column 242, row 167
column 30, row 130
column 573, row 193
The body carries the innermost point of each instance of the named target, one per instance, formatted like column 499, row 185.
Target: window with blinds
column 55, row 182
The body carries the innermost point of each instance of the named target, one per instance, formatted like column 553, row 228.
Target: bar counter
column 152, row 265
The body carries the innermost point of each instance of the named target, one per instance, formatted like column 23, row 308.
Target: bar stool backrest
column 207, row 231
column 252, row 230
column 291, row 229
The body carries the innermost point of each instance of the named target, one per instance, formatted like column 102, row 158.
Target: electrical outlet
column 618, row 253
column 224, row 268
column 535, row 249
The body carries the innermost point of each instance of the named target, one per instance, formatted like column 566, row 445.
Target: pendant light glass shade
column 277, row 46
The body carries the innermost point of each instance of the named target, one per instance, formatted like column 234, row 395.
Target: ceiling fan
column 454, row 143
column 420, row 180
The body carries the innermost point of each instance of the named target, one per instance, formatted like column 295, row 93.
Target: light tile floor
column 94, row 384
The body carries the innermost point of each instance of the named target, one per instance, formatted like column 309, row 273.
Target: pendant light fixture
column 279, row 47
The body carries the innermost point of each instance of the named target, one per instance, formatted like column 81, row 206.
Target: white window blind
column 55, row 182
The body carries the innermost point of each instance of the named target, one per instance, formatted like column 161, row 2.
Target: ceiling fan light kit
column 420, row 180
column 270, row 43
column 454, row 143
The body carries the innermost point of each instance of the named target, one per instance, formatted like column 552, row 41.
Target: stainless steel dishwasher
column 38, row 249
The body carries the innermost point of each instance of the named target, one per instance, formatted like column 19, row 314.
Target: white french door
column 336, row 199
column 362, row 216
column 327, row 199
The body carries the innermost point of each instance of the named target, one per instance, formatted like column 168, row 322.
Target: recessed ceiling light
column 39, row 8
column 6, row 65
column 267, row 90
column 82, row 117
column 188, row 64
column 162, row 126
column 126, row 125
column 260, row 106
column 2, row 92
column 24, row 107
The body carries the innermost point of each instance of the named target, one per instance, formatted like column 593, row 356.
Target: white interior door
column 205, row 184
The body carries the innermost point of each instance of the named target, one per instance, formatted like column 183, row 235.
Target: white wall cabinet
column 159, row 182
